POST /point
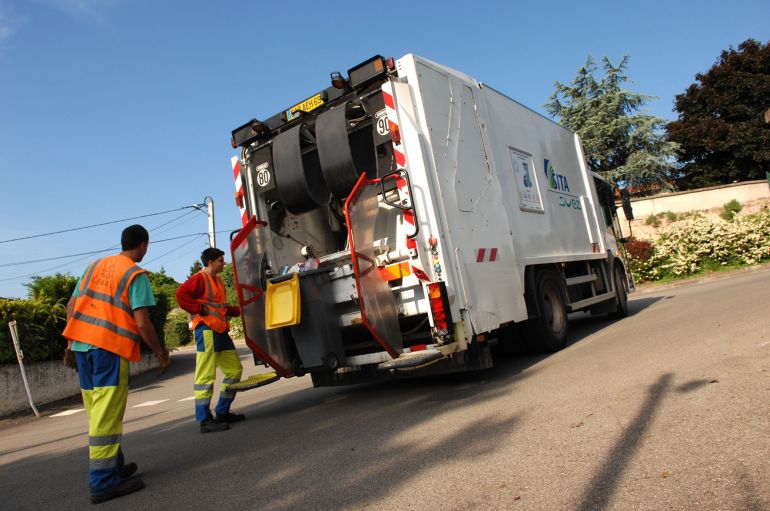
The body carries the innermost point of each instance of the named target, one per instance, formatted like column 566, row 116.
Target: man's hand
column 163, row 361
column 204, row 311
column 69, row 359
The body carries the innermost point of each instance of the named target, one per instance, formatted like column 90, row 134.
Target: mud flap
column 379, row 311
column 248, row 251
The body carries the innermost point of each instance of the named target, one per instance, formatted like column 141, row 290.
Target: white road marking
column 150, row 403
column 185, row 399
column 68, row 412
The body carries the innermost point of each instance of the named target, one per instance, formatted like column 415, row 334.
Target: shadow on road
column 330, row 448
column 604, row 483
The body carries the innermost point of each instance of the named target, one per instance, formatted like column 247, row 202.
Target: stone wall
column 696, row 200
column 48, row 382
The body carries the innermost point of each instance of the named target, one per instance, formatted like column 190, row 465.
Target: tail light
column 439, row 307
column 395, row 134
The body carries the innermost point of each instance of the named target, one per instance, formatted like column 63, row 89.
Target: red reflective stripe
column 388, row 100
column 400, row 158
column 480, row 256
column 493, row 255
column 419, row 273
column 236, row 169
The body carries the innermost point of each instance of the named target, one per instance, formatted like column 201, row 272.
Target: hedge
column 39, row 325
column 41, row 322
column 699, row 243
column 177, row 330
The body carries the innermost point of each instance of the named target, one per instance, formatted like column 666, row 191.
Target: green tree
column 165, row 285
column 195, row 268
column 721, row 128
column 620, row 143
column 228, row 278
column 54, row 289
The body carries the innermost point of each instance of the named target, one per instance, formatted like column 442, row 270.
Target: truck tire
column 548, row 331
column 621, row 293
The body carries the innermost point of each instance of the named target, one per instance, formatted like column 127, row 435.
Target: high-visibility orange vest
column 103, row 315
column 215, row 300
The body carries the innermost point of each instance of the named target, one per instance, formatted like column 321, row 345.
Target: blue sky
column 113, row 109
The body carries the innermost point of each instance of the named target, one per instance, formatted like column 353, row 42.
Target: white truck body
column 493, row 196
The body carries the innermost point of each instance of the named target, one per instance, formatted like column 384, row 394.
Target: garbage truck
column 404, row 217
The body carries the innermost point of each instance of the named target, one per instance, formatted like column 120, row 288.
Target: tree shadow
column 604, row 483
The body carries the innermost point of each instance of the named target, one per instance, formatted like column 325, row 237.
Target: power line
column 94, row 225
column 20, row 263
column 145, row 263
column 114, row 247
column 166, row 227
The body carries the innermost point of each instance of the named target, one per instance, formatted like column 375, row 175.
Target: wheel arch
column 530, row 286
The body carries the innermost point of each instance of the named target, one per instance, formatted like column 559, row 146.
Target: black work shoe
column 128, row 470
column 229, row 418
column 212, row 426
column 124, row 488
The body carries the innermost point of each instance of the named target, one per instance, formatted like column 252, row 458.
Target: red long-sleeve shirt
column 194, row 289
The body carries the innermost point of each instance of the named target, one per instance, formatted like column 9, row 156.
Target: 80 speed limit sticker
column 262, row 175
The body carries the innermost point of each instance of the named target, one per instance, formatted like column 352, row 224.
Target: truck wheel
column 548, row 331
column 621, row 293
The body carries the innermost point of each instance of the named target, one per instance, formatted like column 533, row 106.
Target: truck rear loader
column 399, row 220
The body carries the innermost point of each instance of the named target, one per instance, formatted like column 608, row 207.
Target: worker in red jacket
column 203, row 296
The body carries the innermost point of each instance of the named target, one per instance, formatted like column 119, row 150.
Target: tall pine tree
column 621, row 144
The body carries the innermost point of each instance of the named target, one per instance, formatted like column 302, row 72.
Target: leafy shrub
column 731, row 209
column 158, row 316
column 639, row 249
column 177, row 331
column 653, row 220
column 228, row 278
column 41, row 322
column 697, row 243
column 54, row 289
column 39, row 325
column 670, row 216
column 163, row 284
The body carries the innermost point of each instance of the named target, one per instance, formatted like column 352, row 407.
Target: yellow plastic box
column 282, row 303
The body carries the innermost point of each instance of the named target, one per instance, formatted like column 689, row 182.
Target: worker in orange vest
column 203, row 295
column 107, row 317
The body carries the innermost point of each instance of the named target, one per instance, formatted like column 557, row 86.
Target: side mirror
column 625, row 201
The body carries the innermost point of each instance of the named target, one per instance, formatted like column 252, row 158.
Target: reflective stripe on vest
column 215, row 300
column 103, row 316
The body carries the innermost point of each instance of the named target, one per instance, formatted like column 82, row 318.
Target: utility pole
column 208, row 203
column 212, row 231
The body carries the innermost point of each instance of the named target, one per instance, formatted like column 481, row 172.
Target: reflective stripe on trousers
column 206, row 363
column 104, row 386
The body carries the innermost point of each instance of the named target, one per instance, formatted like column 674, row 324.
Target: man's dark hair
column 210, row 254
column 133, row 236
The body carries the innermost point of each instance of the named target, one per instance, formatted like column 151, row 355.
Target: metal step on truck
column 398, row 220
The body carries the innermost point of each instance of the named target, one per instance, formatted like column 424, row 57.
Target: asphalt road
column 666, row 409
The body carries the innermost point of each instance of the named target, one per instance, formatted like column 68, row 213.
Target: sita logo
column 556, row 181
